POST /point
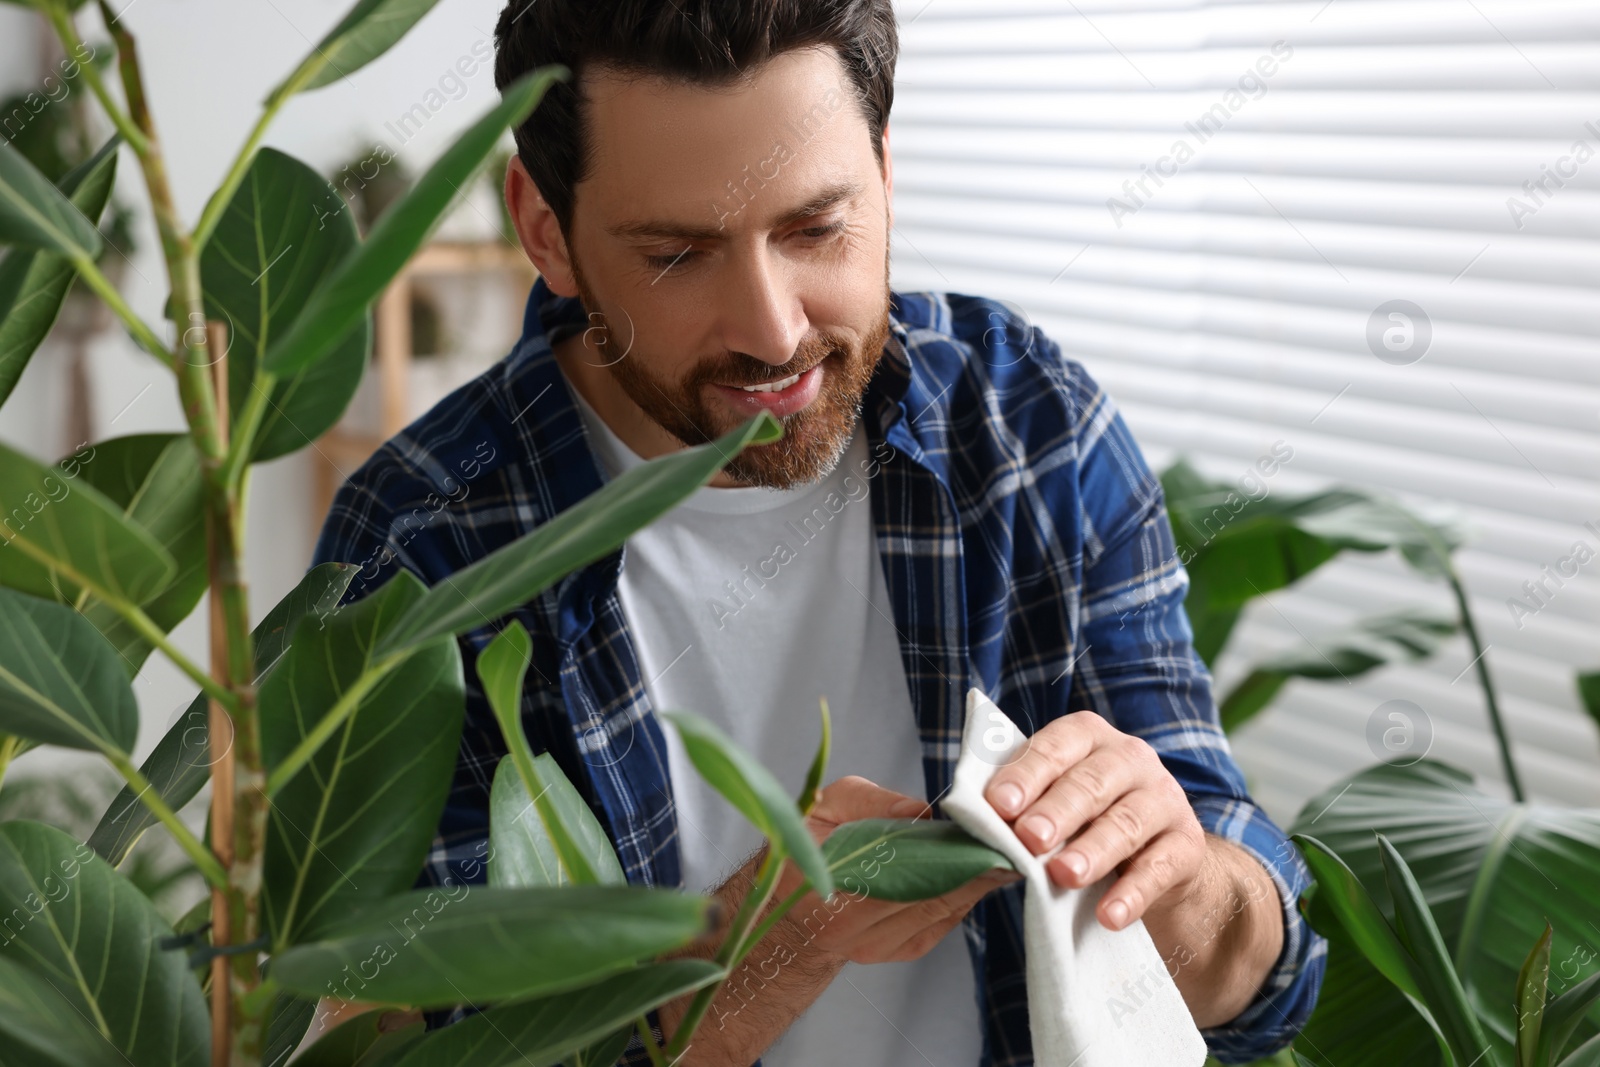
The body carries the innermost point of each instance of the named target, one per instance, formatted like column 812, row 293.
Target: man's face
column 733, row 238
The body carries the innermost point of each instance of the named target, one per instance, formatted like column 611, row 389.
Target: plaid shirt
column 1026, row 548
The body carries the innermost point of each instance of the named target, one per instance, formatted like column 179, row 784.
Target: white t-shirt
column 746, row 606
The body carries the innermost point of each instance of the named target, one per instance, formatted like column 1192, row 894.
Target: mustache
column 738, row 368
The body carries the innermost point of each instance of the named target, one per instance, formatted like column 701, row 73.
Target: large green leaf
column 1238, row 547
column 41, row 1029
column 58, row 532
column 354, row 824
column 754, row 793
column 471, row 944
column 344, row 295
column 181, row 762
column 1589, row 693
column 594, row 527
column 353, row 1039
column 87, row 933
column 365, row 33
column 1492, row 873
column 906, row 859
column 60, row 683
column 1564, row 1013
column 1399, row 637
column 545, row 847
column 544, row 1032
column 287, row 1022
column 155, row 479
column 521, row 848
column 1533, row 984
column 36, row 214
column 34, row 283
column 271, row 252
column 1434, row 970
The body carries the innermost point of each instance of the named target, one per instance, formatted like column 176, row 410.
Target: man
column 953, row 504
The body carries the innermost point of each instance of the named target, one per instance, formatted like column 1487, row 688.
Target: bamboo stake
column 221, row 741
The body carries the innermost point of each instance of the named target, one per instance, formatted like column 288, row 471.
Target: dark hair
column 707, row 42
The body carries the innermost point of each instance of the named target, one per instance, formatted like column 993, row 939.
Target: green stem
column 734, row 947
column 196, row 850
column 783, row 908
column 651, row 1049
column 140, row 330
column 244, row 431
column 241, row 166
column 1447, row 567
column 61, row 19
column 8, row 752
column 342, row 709
column 1481, row 661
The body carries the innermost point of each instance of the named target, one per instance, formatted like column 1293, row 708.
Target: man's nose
column 763, row 316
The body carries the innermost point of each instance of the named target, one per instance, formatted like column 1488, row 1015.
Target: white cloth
column 745, row 606
column 1096, row 997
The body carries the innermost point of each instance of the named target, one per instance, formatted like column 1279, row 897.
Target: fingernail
column 1008, row 797
column 1077, row 863
column 1039, row 827
column 1117, row 912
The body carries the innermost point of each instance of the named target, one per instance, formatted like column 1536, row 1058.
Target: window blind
column 1216, row 207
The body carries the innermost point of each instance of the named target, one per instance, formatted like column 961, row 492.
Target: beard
column 814, row 439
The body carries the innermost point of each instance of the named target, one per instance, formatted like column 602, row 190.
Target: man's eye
column 666, row 263
column 817, row 233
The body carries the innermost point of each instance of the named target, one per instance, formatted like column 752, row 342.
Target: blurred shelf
column 342, row 449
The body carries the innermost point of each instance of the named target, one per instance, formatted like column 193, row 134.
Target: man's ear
column 888, row 175
column 539, row 230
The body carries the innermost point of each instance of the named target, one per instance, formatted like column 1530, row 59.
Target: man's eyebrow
column 830, row 197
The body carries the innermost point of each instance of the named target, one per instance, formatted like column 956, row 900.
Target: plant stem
column 332, row 721
column 734, row 946
column 1481, row 661
column 244, row 433
column 61, row 19
column 1447, row 567
column 141, row 331
column 191, row 845
column 653, row 1050
column 8, row 752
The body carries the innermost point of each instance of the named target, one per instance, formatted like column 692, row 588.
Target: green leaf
column 1238, row 548
column 155, row 479
column 1533, row 982
column 59, row 530
column 354, row 824
column 589, row 530
column 906, row 859
column 472, row 944
column 84, row 930
column 368, row 31
column 33, row 283
column 1564, row 1013
column 1432, row 968
column 819, row 762
column 606, row 1052
column 36, row 214
column 754, row 793
column 355, row 1038
column 521, row 848
column 1348, row 899
column 60, row 683
column 181, row 762
column 287, row 1022
column 1397, row 637
column 1585, row 1055
column 1589, row 693
column 40, row 1027
column 273, row 249
column 345, row 294
column 1493, row 873
column 502, row 667
column 544, row 1032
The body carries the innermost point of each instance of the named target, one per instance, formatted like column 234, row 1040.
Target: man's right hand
column 869, row 930
column 804, row 951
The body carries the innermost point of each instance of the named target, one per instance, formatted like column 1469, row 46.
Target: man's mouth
column 781, row 398
column 772, row 387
